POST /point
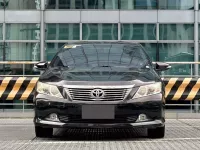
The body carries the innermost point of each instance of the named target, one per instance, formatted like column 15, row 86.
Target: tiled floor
column 19, row 134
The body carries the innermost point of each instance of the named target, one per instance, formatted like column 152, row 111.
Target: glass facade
column 1, row 31
column 7, row 69
column 176, row 4
column 20, row 39
column 100, row 4
column 110, row 4
column 22, row 51
column 138, row 4
column 138, row 32
column 20, row 4
column 82, row 4
column 100, row 32
column 63, row 4
column 176, row 32
column 1, row 51
column 22, row 31
column 170, row 52
column 177, row 53
column 62, row 31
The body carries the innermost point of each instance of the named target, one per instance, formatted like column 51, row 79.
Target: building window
column 22, row 31
column 82, row 4
column 176, row 4
column 17, row 69
column 138, row 4
column 21, row 4
column 51, row 49
column 138, row 32
column 100, row 4
column 180, row 52
column 120, row 4
column 100, row 32
column 62, row 31
column 1, row 51
column 199, row 34
column 22, row 51
column 1, row 31
column 63, row 4
column 19, row 52
column 176, row 32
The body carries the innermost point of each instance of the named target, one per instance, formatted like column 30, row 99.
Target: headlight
column 148, row 90
column 52, row 90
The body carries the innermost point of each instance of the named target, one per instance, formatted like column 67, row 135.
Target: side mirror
column 160, row 66
column 41, row 66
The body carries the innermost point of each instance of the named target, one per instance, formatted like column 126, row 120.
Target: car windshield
column 98, row 55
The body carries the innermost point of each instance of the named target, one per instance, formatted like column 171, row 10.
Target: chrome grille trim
column 80, row 93
column 85, row 87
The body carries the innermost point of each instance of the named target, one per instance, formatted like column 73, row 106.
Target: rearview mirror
column 160, row 66
column 41, row 65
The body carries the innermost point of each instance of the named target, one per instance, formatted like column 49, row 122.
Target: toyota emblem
column 97, row 93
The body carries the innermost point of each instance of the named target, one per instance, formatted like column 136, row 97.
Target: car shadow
column 99, row 134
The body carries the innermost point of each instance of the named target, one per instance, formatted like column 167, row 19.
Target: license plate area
column 98, row 112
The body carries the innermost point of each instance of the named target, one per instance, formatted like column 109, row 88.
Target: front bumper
column 125, row 112
column 147, row 124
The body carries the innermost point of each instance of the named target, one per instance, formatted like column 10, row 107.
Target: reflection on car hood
column 58, row 75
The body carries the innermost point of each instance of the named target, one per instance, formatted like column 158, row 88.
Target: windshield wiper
column 105, row 66
column 102, row 66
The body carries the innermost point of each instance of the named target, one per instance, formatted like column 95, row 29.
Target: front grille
column 114, row 94
column 78, row 119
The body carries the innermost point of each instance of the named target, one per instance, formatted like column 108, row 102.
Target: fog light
column 142, row 117
column 52, row 117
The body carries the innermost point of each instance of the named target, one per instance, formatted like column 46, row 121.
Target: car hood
column 62, row 77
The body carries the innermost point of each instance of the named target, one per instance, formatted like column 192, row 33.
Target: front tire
column 43, row 132
column 158, row 132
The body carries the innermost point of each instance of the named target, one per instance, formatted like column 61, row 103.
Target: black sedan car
column 100, row 84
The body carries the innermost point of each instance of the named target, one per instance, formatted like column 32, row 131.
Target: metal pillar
column 42, row 31
column 196, row 106
column 119, row 31
column 196, row 47
column 80, row 28
column 157, row 39
column 196, row 37
column 4, row 36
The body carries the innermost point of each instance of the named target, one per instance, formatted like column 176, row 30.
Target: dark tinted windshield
column 91, row 56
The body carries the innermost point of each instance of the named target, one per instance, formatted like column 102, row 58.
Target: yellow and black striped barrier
column 17, row 88
column 182, row 89
column 22, row 88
